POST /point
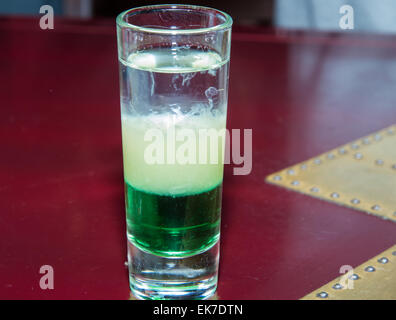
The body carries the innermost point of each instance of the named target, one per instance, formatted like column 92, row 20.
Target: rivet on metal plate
column 383, row 260
column 330, row 156
column 295, row 183
column 377, row 137
column 358, row 156
column 337, row 286
column 354, row 146
column 376, row 207
column 342, row 151
column 355, row 201
column 354, row 277
column 322, row 295
column 314, row 189
column 366, row 141
column 379, row 162
column 369, row 269
column 335, row 195
column 277, row 178
column 318, row 161
column 291, row 171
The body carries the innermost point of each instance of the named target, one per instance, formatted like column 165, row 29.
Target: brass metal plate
column 360, row 175
column 375, row 280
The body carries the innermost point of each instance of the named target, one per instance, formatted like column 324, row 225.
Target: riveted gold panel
column 360, row 175
column 374, row 280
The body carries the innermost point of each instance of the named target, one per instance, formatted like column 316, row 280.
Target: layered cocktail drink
column 174, row 84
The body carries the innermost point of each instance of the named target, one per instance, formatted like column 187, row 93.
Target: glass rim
column 222, row 26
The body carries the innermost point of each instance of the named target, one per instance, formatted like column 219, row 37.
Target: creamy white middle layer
column 171, row 177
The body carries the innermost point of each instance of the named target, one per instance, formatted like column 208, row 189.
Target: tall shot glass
column 174, row 66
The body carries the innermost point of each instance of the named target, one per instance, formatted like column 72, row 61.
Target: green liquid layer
column 173, row 226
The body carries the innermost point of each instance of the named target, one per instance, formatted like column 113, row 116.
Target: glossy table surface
column 61, row 180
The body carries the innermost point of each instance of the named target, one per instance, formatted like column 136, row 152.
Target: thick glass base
column 173, row 278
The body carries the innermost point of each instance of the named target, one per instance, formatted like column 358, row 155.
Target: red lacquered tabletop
column 61, row 180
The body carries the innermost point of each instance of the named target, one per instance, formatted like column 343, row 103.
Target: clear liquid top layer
column 174, row 60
